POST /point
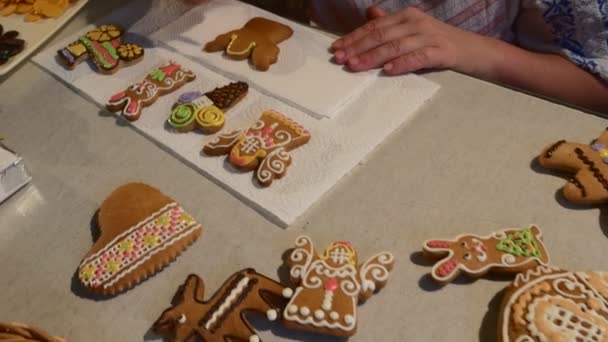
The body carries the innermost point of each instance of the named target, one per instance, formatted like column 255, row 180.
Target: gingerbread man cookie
column 222, row 317
column 507, row 251
column 103, row 45
column 142, row 231
column 331, row 285
column 264, row 146
column 258, row 39
column 588, row 163
column 549, row 304
column 160, row 81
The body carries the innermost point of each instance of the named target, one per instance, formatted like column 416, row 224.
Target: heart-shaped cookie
column 142, row 231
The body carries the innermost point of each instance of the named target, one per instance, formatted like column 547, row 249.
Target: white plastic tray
column 35, row 34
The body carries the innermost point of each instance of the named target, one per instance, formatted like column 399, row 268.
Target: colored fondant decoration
column 264, row 146
column 258, row 39
column 160, row 81
column 331, row 285
column 222, row 317
column 206, row 111
column 508, row 251
column 103, row 45
column 142, row 231
column 587, row 163
column 549, row 304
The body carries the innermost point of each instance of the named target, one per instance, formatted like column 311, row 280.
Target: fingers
column 374, row 12
column 373, row 25
column 424, row 58
column 387, row 52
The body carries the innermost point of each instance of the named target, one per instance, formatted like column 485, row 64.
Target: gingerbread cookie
column 264, row 146
column 19, row 332
column 258, row 39
column 508, row 251
column 160, row 81
column 103, row 45
column 331, row 285
column 10, row 45
column 221, row 317
column 549, row 304
column 206, row 111
column 142, row 231
column 588, row 163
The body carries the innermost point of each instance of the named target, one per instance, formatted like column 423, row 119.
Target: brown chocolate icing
column 553, row 148
column 596, row 172
column 579, row 185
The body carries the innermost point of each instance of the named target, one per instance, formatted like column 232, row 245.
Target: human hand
column 408, row 41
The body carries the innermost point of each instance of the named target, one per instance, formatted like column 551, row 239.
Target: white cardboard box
column 13, row 175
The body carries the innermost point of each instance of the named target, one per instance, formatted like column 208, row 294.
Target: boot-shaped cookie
column 331, row 285
column 588, row 163
column 258, row 39
column 508, row 251
column 221, row 317
column 264, row 146
column 142, row 231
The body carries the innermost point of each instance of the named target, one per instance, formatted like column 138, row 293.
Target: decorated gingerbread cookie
column 206, row 111
column 331, row 285
column 587, row 163
column 142, row 231
column 19, row 332
column 549, row 304
column 264, row 146
column 221, row 317
column 258, row 39
column 103, row 45
column 508, row 251
column 160, row 81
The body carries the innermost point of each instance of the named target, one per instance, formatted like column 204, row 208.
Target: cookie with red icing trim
column 331, row 285
column 160, row 81
column 221, row 317
column 588, row 165
column 142, row 231
column 508, row 251
column 263, row 147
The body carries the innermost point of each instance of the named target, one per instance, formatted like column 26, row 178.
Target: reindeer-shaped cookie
column 588, row 163
column 331, row 285
column 264, row 146
column 507, row 251
column 222, row 317
column 258, row 38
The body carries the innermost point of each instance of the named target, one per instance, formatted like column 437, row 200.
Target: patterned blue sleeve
column 579, row 30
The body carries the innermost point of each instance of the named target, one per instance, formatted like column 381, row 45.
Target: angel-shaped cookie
column 588, row 163
column 264, row 146
column 221, row 318
column 331, row 285
column 508, row 251
column 258, row 38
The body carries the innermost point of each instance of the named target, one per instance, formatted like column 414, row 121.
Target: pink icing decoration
column 331, row 285
column 447, row 268
column 170, row 69
column 118, row 96
column 438, row 244
column 133, row 107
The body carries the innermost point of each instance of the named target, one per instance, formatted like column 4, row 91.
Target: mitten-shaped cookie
column 588, row 163
column 142, row 231
column 264, row 146
column 331, row 285
column 258, row 39
column 508, row 251
column 221, row 317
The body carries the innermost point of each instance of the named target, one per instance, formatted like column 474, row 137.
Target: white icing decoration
column 319, row 314
column 272, row 315
column 349, row 319
column 304, row 311
column 571, row 285
column 254, row 338
column 287, row 292
column 375, row 270
column 232, row 136
column 275, row 163
column 334, row 315
column 247, row 50
column 328, row 299
column 293, row 309
column 482, row 257
column 181, row 319
column 227, row 302
column 507, row 259
column 310, row 320
column 524, row 338
column 302, row 256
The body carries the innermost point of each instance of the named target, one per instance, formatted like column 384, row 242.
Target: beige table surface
column 464, row 164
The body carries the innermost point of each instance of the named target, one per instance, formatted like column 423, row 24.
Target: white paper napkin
column 336, row 147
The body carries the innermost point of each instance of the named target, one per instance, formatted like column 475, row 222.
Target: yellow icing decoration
column 604, row 153
column 77, row 49
column 210, row 117
column 247, row 51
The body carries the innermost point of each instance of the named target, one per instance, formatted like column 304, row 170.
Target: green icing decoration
column 111, row 50
column 89, row 44
column 158, row 75
column 522, row 243
column 182, row 116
